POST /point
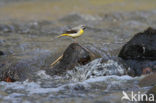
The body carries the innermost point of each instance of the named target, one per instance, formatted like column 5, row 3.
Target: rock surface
column 140, row 52
column 73, row 56
column 17, row 71
column 149, row 80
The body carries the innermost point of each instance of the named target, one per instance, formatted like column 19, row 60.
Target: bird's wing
column 70, row 32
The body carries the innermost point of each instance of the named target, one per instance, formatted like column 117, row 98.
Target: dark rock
column 73, row 56
column 147, row 70
column 140, row 51
column 1, row 53
column 138, row 67
column 15, row 72
column 141, row 47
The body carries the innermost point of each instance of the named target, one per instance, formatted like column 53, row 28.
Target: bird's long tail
column 59, row 36
column 62, row 35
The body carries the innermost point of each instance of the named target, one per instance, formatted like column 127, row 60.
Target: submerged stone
column 15, row 72
column 149, row 80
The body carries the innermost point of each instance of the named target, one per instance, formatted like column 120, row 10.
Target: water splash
column 94, row 69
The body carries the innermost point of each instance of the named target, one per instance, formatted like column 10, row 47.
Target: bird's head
column 83, row 27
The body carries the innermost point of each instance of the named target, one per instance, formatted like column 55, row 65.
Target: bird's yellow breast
column 81, row 31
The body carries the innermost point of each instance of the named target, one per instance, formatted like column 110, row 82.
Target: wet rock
column 147, row 70
column 15, row 72
column 141, row 47
column 139, row 67
column 73, row 56
column 1, row 53
column 149, row 80
column 140, row 51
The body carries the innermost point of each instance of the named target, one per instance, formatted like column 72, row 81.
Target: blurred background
column 54, row 9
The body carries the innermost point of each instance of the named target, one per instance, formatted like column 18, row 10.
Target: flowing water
column 28, row 31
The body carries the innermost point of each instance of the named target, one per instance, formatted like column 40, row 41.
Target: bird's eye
column 83, row 27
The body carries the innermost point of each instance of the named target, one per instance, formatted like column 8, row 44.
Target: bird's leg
column 74, row 40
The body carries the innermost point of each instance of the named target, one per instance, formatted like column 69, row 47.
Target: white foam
column 42, row 74
column 96, row 68
column 31, row 88
column 105, row 78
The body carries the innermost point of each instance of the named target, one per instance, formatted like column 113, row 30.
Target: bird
column 74, row 32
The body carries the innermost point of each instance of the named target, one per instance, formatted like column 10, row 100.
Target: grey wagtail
column 74, row 32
